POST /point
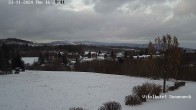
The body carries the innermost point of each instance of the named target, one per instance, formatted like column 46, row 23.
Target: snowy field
column 30, row 60
column 43, row 90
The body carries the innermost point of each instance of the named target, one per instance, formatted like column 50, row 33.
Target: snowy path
column 43, row 90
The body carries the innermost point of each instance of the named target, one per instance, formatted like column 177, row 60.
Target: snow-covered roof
column 119, row 55
column 86, row 52
column 86, row 59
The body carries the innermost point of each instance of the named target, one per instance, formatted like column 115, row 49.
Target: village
column 70, row 59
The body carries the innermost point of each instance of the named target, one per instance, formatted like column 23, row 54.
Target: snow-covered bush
column 176, row 85
column 140, row 91
column 171, row 88
column 5, row 72
column 132, row 100
column 76, row 108
column 147, row 89
column 111, row 106
column 179, row 84
column 156, row 90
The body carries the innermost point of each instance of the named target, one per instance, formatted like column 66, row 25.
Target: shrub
column 176, row 85
column 111, row 106
column 140, row 90
column 76, row 108
column 166, row 89
column 156, row 90
column 154, row 78
column 147, row 89
column 179, row 84
column 183, row 83
column 132, row 100
column 171, row 88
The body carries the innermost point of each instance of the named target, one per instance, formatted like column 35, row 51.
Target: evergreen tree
column 4, row 62
column 89, row 54
column 46, row 56
column 142, row 52
column 125, row 54
column 41, row 59
column 113, row 55
column 77, row 61
column 5, row 49
column 65, row 60
column 4, row 58
column 99, row 52
column 105, row 56
column 17, row 62
column 59, row 55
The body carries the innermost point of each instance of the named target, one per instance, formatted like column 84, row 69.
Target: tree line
column 172, row 62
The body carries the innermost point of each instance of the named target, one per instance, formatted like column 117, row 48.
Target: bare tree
column 171, row 56
column 151, row 48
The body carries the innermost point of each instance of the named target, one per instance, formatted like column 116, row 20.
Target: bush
column 166, row 89
column 172, row 88
column 140, row 90
column 76, row 108
column 179, row 84
column 132, row 100
column 111, row 106
column 156, row 90
column 147, row 89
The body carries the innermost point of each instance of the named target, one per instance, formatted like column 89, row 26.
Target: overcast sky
column 134, row 21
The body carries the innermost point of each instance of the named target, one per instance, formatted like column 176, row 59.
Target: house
column 120, row 57
column 90, row 54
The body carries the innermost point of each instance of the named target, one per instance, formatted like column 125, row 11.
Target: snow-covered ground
column 43, row 90
column 30, row 60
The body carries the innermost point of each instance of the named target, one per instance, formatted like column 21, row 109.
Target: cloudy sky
column 134, row 21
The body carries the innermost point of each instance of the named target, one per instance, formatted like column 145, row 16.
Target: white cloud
column 136, row 21
column 76, row 5
column 185, row 7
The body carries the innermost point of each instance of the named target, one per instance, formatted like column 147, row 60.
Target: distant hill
column 94, row 43
column 56, row 43
column 15, row 41
column 88, row 43
column 66, row 42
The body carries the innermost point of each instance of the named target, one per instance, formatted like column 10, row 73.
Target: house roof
column 119, row 55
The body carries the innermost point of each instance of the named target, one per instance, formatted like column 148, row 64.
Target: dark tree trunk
column 164, row 83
